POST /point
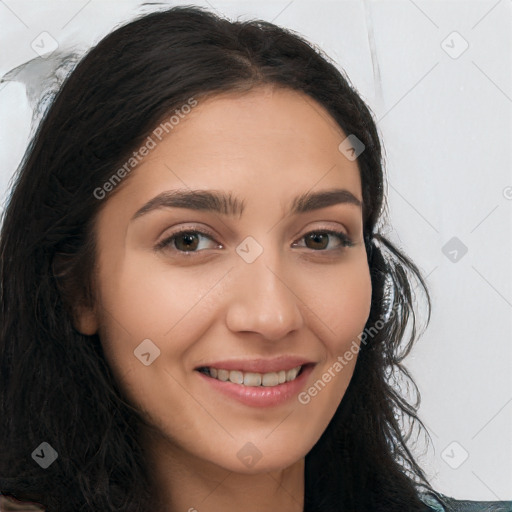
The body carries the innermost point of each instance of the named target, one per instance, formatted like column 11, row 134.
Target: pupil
column 189, row 238
column 315, row 238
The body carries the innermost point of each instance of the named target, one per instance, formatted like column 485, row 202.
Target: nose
column 264, row 300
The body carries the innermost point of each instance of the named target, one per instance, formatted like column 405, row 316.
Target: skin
column 266, row 147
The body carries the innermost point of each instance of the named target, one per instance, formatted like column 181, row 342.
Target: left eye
column 319, row 237
column 189, row 241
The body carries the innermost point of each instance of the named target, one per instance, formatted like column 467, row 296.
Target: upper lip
column 259, row 365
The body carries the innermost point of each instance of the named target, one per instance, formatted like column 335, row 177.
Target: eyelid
column 326, row 226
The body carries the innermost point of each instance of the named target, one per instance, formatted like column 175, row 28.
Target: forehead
column 265, row 144
column 279, row 118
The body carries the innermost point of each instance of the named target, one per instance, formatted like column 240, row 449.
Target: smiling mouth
column 253, row 379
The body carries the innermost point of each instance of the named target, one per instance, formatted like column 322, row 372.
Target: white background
column 445, row 121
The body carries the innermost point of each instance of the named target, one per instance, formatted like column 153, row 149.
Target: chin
column 252, row 460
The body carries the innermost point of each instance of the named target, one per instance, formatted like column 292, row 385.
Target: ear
column 75, row 294
column 86, row 320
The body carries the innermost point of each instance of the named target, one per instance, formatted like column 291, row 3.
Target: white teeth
column 252, row 379
column 270, row 379
column 291, row 374
column 236, row 377
column 255, row 379
column 223, row 375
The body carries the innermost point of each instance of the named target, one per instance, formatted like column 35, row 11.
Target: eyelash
column 166, row 244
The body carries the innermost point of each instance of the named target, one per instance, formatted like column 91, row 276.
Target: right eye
column 186, row 241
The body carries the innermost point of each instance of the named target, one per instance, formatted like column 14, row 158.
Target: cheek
column 145, row 299
column 344, row 305
column 341, row 314
column 151, row 299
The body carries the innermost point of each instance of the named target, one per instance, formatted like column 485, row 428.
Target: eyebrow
column 226, row 204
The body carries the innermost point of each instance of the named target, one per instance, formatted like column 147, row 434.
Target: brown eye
column 186, row 241
column 319, row 240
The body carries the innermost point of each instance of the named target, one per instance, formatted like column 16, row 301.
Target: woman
column 197, row 307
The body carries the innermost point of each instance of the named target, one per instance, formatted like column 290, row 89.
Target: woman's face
column 261, row 286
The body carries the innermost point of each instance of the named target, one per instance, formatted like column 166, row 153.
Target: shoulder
column 8, row 504
column 455, row 505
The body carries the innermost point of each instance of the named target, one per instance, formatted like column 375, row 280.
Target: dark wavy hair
column 56, row 386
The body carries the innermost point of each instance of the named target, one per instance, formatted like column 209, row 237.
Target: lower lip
column 261, row 396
